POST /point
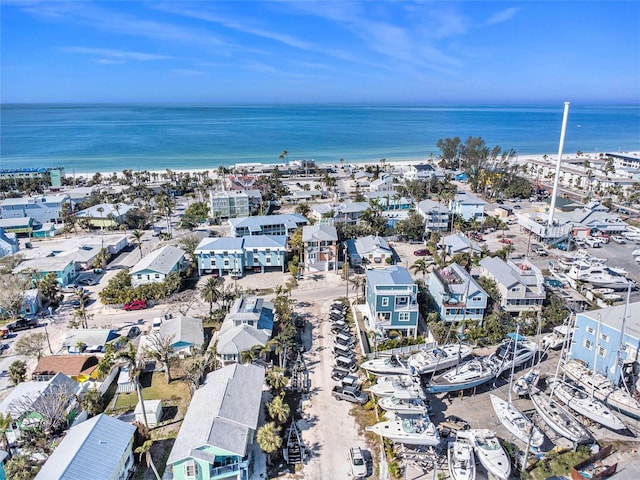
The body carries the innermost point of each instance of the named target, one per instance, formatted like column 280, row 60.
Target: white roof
column 93, row 449
column 162, row 260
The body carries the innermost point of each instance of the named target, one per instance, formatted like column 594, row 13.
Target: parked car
column 4, row 332
column 350, row 394
column 22, row 324
column 421, row 252
column 539, row 250
column 135, row 305
column 358, row 464
column 133, row 332
column 88, row 281
column 618, row 239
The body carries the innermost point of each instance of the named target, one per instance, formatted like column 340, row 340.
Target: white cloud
column 116, row 54
column 502, row 16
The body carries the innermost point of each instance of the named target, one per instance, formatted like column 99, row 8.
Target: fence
column 401, row 351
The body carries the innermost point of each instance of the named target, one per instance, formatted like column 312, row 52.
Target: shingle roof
column 70, row 365
column 222, row 413
column 187, row 330
column 33, row 390
column 457, row 242
column 364, row 245
column 389, row 276
column 107, row 209
column 238, row 339
column 229, row 244
column 92, row 449
column 500, row 271
column 431, row 206
column 162, row 260
column 90, row 337
column 290, row 220
column 319, row 232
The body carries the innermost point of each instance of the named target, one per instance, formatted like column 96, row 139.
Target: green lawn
column 555, row 464
column 154, row 387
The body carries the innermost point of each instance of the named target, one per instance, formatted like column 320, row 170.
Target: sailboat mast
column 620, row 345
column 513, row 363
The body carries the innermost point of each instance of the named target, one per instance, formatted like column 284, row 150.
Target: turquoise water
column 87, row 138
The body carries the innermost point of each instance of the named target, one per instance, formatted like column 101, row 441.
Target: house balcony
column 410, row 307
column 229, row 471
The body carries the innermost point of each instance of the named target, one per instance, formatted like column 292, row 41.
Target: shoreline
column 401, row 163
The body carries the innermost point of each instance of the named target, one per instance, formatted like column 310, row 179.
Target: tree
column 129, row 359
column 49, row 287
column 17, row 372
column 211, row 292
column 102, row 258
column 278, row 410
column 137, row 236
column 420, row 266
column 451, row 149
column 276, row 379
column 145, row 449
column 21, row 467
column 92, row 402
column 412, row 228
column 31, row 345
column 269, row 439
column 159, row 348
column 12, row 295
column 5, row 423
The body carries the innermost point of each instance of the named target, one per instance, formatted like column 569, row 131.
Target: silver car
column 358, row 464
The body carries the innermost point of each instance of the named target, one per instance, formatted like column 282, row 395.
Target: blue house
column 392, row 298
column 36, row 268
column 236, row 255
column 598, row 340
column 456, row 294
column 468, row 206
column 284, row 224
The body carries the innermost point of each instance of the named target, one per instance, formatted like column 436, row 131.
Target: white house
column 384, row 183
column 371, row 250
column 468, row 206
column 42, row 209
column 187, row 333
column 436, row 216
column 156, row 266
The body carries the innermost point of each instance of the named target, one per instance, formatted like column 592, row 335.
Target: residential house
column 372, row 251
column 422, row 171
column 320, row 247
column 25, row 401
column 105, row 215
column 8, row 243
column 323, row 213
column 519, row 282
column 237, row 255
column 608, row 343
column 229, row 204
column 284, row 224
column 467, row 206
column 389, row 200
column 350, row 212
column 436, row 216
column 460, row 243
column 18, row 226
column 100, row 448
column 361, row 179
column 457, row 295
column 32, row 302
column 216, row 439
column 248, row 324
column 392, row 300
column 90, row 340
column 384, row 183
column 64, row 267
column 42, row 209
column 186, row 333
column 77, row 367
column 158, row 265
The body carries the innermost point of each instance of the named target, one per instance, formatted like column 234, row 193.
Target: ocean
column 107, row 138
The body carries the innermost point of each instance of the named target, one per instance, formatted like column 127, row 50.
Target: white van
column 155, row 324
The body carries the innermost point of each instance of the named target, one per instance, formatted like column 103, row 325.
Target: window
column 602, row 352
column 139, row 276
column 590, row 331
column 587, row 344
column 385, row 301
column 476, row 299
column 268, row 260
column 402, row 301
column 226, row 262
column 157, row 275
column 604, row 338
column 190, row 469
column 403, row 317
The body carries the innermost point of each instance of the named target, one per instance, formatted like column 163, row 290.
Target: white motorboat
column 404, row 404
column 602, row 389
column 521, row 386
column 386, row 366
column 516, row 422
column 559, row 419
column 581, row 402
column 410, row 430
column 556, row 338
column 599, row 276
column 512, row 353
column 567, row 261
column 397, row 384
column 488, row 450
column 438, row 358
column 462, row 464
column 468, row 374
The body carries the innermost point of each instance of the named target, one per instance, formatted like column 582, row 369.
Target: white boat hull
column 410, row 431
column 438, row 358
column 489, row 452
column 559, row 419
column 386, row 366
column 403, row 406
column 516, row 422
column 469, row 374
column 462, row 464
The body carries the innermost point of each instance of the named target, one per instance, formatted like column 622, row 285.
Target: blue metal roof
column 389, row 276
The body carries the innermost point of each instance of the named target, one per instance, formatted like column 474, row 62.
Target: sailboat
column 386, row 366
column 404, row 404
column 581, row 402
column 559, row 419
column 489, row 452
column 438, row 358
column 468, row 374
column 514, row 420
column 462, row 464
column 410, row 430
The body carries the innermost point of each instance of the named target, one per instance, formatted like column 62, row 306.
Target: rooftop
column 162, row 260
column 389, row 276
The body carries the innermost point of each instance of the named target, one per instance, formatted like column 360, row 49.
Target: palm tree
column 269, row 439
column 276, row 379
column 5, row 422
column 145, row 449
column 279, row 410
column 128, row 356
column 211, row 293
column 420, row 266
column 137, row 236
column 357, row 282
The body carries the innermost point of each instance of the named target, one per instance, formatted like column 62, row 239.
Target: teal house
column 217, row 437
column 63, row 266
column 392, row 299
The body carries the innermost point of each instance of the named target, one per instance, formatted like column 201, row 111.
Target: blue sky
column 305, row 51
